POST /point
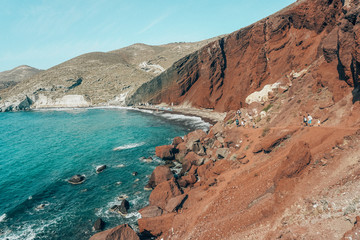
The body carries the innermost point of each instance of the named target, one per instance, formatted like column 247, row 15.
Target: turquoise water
column 40, row 150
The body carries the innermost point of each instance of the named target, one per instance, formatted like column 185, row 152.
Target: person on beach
column 318, row 123
column 237, row 122
column 305, row 121
column 242, row 123
column 309, row 119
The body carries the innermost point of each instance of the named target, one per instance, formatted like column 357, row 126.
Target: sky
column 44, row 33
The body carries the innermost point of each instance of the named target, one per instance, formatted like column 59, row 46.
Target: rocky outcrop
column 122, row 232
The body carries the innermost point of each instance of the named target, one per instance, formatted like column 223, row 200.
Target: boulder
column 296, row 160
column 159, row 175
column 197, row 135
column 101, row 168
column 155, row 226
column 150, row 211
column 181, row 152
column 187, row 180
column 99, row 225
column 222, row 153
column 134, row 173
column 175, row 203
column 77, row 179
column 122, row 232
column 354, row 233
column 163, row 192
column 165, row 152
column 177, row 141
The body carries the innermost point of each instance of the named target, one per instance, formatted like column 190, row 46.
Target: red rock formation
column 122, row 232
column 165, row 152
column 320, row 36
column 159, row 175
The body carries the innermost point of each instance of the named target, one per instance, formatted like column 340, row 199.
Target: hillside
column 310, row 45
column 275, row 177
column 98, row 78
column 16, row 75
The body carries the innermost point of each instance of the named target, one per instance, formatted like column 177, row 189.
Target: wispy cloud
column 155, row 22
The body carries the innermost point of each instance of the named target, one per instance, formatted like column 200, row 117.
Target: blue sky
column 44, row 33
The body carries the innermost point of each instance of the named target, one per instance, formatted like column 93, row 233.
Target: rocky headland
column 259, row 172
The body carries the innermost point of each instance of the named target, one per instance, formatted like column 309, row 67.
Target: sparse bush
column 267, row 108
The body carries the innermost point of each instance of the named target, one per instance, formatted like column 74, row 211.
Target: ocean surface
column 41, row 150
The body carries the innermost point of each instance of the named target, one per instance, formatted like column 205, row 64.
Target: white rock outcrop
column 67, row 101
column 262, row 95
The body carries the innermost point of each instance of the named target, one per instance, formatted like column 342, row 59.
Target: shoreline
column 208, row 116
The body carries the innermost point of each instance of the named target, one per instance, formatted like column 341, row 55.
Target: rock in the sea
column 122, row 208
column 77, row 179
column 134, row 173
column 122, row 232
column 101, row 168
column 159, row 175
column 165, row 152
column 99, row 225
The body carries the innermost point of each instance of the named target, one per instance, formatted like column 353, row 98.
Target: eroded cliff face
column 319, row 39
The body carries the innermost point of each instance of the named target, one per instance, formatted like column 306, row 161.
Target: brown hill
column 310, row 45
column 16, row 75
column 98, row 77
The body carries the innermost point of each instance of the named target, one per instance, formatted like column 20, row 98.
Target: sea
column 40, row 150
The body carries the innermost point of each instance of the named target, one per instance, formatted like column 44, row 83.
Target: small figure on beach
column 318, row 123
column 237, row 122
column 242, row 123
column 304, row 121
column 309, row 119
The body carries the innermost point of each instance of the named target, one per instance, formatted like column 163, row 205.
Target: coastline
column 207, row 115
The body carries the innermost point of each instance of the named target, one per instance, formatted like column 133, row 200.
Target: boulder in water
column 99, row 225
column 77, row 179
column 100, row 168
column 135, row 173
column 122, row 208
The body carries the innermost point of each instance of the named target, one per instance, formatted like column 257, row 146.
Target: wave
column 197, row 122
column 128, row 146
column 3, row 217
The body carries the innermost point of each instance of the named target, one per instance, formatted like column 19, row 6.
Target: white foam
column 193, row 120
column 28, row 231
column 128, row 146
column 3, row 217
